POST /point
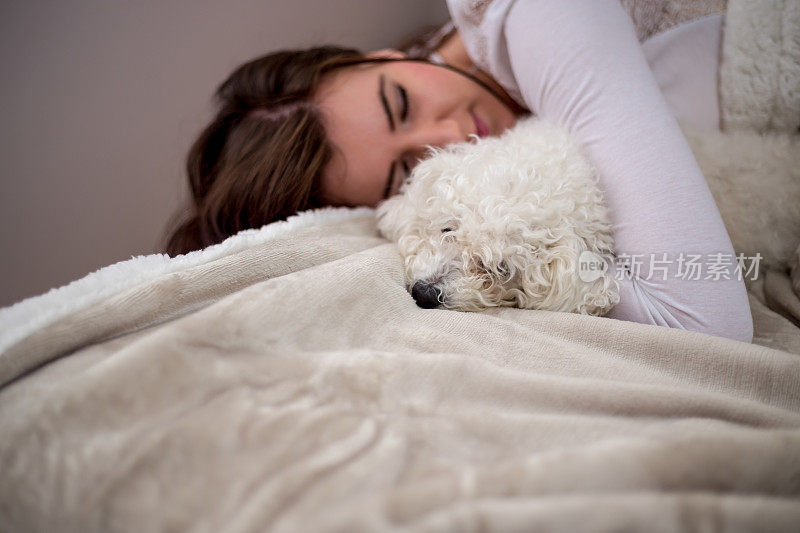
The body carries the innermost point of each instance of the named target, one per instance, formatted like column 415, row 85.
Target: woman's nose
column 438, row 134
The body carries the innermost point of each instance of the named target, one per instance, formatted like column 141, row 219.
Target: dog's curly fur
column 503, row 221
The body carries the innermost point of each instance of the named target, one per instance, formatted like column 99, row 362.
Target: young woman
column 325, row 126
column 330, row 126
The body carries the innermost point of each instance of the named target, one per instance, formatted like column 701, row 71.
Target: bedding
column 285, row 380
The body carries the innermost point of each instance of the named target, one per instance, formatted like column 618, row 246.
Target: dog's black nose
column 426, row 295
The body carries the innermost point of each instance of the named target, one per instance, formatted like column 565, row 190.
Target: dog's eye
column 447, row 230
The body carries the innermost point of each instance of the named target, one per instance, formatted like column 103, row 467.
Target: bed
column 285, row 380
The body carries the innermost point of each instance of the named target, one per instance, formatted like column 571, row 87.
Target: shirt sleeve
column 579, row 64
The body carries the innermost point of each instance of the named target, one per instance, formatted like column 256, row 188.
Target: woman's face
column 379, row 118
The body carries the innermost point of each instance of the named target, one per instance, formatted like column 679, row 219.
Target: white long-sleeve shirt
column 579, row 63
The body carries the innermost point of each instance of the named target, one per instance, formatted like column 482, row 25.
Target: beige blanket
column 290, row 383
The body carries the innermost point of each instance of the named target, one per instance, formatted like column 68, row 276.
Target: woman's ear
column 387, row 52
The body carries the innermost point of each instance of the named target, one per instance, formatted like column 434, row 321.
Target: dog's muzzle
column 427, row 295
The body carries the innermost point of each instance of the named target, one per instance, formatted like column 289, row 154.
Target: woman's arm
column 579, row 64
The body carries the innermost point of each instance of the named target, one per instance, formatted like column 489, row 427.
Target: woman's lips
column 480, row 126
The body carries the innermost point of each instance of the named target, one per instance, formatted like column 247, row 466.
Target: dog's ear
column 556, row 282
column 548, row 278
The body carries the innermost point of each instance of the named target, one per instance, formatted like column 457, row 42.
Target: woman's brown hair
column 261, row 158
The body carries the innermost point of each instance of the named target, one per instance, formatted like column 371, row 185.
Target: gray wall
column 100, row 100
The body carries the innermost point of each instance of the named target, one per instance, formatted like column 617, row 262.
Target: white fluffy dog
column 502, row 222
column 506, row 221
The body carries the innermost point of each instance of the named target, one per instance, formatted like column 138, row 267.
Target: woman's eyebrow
column 382, row 95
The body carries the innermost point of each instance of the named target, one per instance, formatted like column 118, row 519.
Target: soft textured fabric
column 781, row 297
column 292, row 384
column 760, row 77
column 22, row 319
column 579, row 64
column 651, row 17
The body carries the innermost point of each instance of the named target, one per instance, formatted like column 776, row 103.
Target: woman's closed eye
column 406, row 169
column 398, row 108
column 403, row 103
column 403, row 106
